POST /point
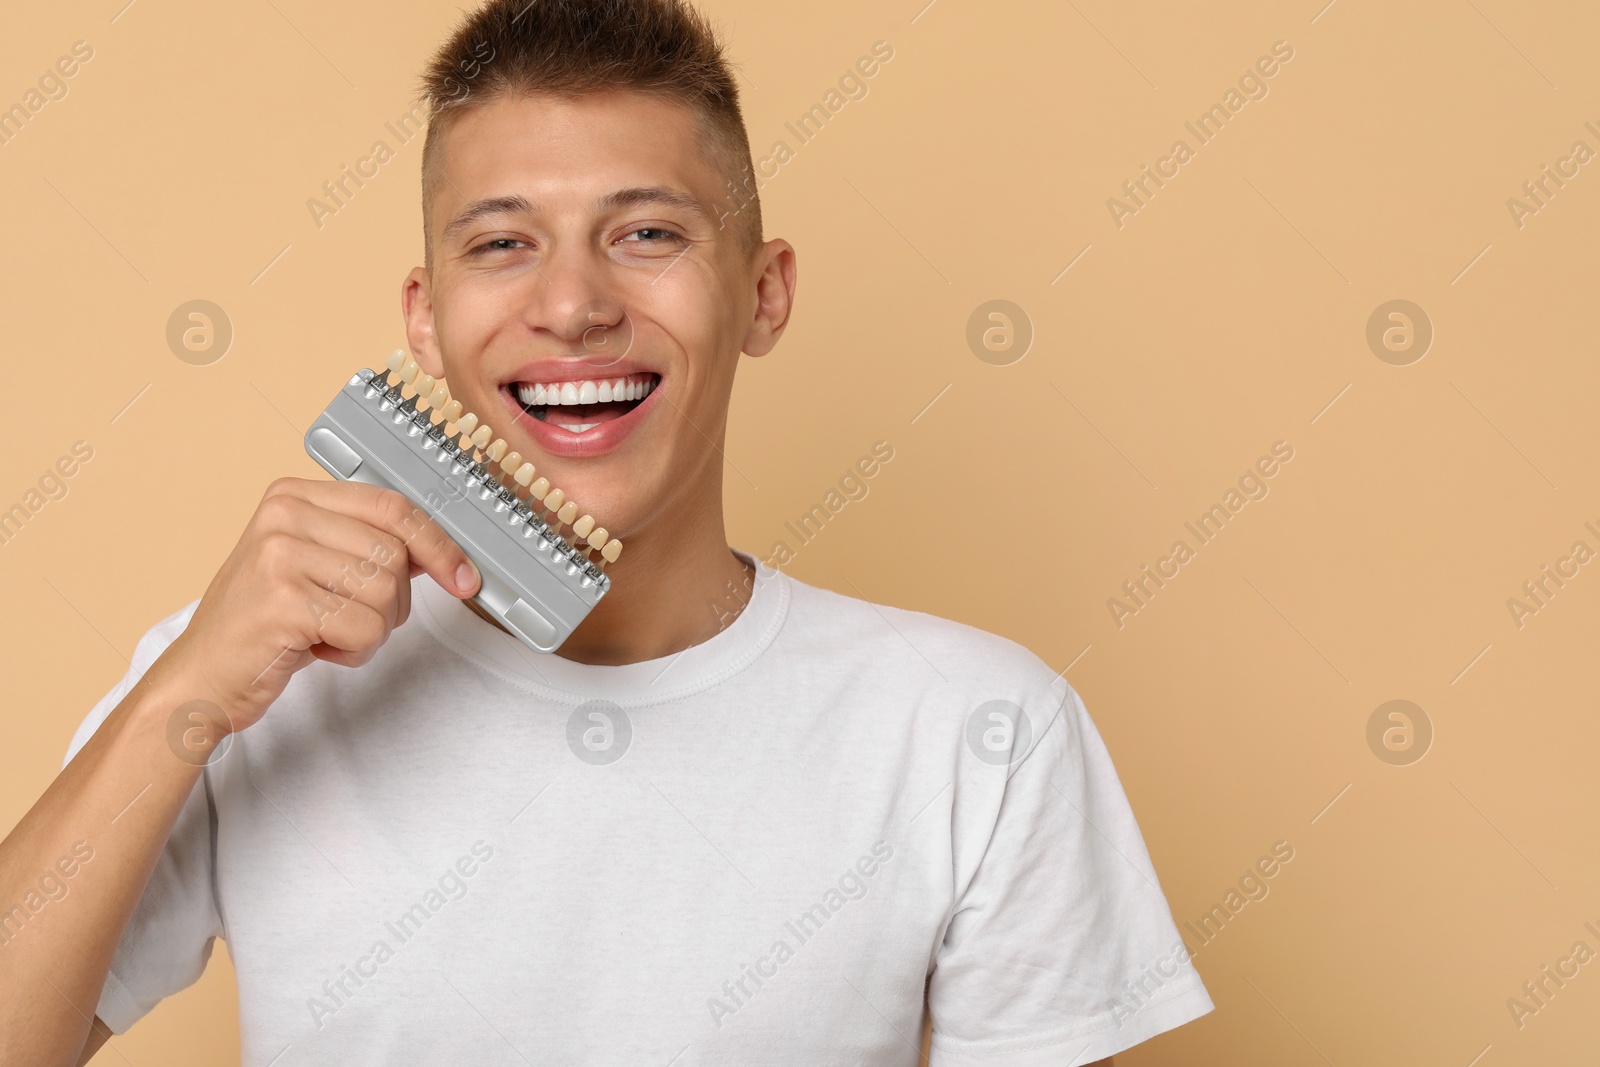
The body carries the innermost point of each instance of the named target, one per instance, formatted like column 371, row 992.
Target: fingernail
column 467, row 577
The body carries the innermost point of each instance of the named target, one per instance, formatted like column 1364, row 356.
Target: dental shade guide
column 399, row 429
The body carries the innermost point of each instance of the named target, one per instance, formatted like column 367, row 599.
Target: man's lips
column 581, row 416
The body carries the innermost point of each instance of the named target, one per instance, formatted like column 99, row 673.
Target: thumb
column 432, row 552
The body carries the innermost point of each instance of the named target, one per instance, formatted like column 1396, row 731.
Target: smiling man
column 787, row 830
column 578, row 243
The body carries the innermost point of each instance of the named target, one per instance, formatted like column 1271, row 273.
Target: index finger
column 428, row 547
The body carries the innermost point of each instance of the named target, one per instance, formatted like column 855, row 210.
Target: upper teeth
column 594, row 391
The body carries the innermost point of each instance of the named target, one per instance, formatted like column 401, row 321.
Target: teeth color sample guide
column 543, row 564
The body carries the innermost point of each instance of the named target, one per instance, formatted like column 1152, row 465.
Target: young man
column 735, row 820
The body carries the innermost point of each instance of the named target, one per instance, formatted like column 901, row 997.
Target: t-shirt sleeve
column 166, row 944
column 1061, row 948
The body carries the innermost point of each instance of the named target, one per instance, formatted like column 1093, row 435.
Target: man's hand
column 322, row 571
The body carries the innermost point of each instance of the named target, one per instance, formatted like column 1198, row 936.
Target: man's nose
column 580, row 303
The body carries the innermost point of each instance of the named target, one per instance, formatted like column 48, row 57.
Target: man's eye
column 498, row 244
column 654, row 235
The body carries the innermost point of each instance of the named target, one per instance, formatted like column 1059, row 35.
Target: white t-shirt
column 762, row 850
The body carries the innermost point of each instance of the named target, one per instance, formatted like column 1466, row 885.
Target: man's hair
column 571, row 48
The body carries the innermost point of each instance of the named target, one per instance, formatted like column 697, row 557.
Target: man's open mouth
column 581, row 405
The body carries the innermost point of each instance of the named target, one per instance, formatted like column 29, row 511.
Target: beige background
column 1223, row 317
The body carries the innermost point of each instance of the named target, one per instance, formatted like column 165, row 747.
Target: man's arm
column 99, row 1034
column 55, row 965
column 323, row 571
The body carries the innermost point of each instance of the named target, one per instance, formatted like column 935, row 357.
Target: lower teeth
column 542, row 413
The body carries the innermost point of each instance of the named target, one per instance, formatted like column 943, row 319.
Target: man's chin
column 605, row 492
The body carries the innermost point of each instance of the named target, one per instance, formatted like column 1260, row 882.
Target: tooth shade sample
column 439, row 397
column 496, row 450
column 612, row 550
column 539, row 489
column 396, row 360
column 598, row 538
column 451, row 412
column 583, row 526
column 511, row 462
column 554, row 499
column 480, row 439
column 568, row 512
column 409, row 372
column 524, row 475
column 466, row 424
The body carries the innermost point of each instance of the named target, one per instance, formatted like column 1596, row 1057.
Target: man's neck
column 664, row 598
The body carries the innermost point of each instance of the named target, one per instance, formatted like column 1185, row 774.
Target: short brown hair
column 577, row 47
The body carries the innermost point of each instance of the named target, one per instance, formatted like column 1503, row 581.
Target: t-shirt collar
column 654, row 681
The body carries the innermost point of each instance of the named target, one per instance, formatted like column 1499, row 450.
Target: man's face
column 584, row 300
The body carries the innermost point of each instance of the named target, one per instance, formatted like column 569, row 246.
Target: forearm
column 105, row 818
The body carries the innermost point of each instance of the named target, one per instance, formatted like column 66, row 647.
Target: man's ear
column 416, row 306
column 774, row 297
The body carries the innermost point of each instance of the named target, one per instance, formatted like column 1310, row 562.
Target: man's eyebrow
column 654, row 194
column 480, row 209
